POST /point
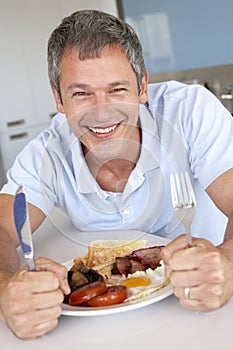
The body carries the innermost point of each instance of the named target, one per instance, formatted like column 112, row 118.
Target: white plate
column 127, row 306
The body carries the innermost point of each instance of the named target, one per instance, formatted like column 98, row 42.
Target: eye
column 118, row 90
column 80, row 93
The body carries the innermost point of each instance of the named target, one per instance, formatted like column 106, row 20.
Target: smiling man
column 106, row 160
column 102, row 109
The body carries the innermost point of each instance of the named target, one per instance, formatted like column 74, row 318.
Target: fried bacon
column 138, row 260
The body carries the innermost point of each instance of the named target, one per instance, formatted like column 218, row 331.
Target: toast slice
column 104, row 252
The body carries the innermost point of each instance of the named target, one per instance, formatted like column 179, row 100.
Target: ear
column 143, row 96
column 58, row 101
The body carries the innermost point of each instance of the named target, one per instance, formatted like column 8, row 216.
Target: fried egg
column 142, row 283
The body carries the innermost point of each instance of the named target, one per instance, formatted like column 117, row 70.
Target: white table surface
column 162, row 325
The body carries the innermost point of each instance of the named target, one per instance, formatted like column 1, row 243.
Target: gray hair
column 89, row 31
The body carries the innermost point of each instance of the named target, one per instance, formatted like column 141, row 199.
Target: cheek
column 74, row 123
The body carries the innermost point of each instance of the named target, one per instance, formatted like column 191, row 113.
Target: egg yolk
column 132, row 282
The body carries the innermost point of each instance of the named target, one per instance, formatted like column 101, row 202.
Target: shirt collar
column 150, row 138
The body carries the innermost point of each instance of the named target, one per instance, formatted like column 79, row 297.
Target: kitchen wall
column 218, row 79
column 182, row 35
column 27, row 104
column 189, row 41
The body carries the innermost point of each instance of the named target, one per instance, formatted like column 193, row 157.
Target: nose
column 100, row 99
column 101, row 108
column 102, row 113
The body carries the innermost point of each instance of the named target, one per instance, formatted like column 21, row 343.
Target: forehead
column 107, row 54
column 110, row 61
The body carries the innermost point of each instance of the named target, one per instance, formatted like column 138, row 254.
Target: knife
column 23, row 228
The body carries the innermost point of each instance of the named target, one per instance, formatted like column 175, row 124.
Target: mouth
column 103, row 130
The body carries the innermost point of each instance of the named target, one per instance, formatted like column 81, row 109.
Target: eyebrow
column 86, row 86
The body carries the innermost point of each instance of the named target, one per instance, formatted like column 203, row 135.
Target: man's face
column 100, row 98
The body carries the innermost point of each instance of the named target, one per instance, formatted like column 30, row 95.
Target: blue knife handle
column 20, row 212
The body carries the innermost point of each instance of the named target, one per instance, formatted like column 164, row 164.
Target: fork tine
column 173, row 191
column 183, row 200
column 183, row 190
column 179, row 190
column 191, row 195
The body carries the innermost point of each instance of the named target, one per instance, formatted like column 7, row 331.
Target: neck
column 112, row 170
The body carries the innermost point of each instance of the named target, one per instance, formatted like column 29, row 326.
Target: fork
column 183, row 200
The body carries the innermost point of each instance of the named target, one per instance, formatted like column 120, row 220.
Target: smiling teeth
column 103, row 130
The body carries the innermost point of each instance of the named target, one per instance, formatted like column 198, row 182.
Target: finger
column 200, row 297
column 183, row 279
column 167, row 252
column 37, row 331
column 35, row 323
column 36, row 282
column 209, row 264
column 59, row 270
column 193, row 303
column 200, row 292
column 203, row 255
column 212, row 260
column 177, row 244
column 47, row 300
column 179, row 292
column 203, row 244
column 36, row 302
column 186, row 259
column 46, row 327
column 180, row 243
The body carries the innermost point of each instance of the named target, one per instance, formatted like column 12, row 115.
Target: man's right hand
column 31, row 301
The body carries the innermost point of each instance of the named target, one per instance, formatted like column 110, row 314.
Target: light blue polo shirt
column 184, row 127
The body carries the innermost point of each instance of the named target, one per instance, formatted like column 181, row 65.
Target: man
column 106, row 161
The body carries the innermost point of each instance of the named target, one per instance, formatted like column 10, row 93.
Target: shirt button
column 126, row 211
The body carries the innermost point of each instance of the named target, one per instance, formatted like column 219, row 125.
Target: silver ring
column 186, row 292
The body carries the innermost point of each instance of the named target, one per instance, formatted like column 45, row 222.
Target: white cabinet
column 11, row 143
column 26, row 99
